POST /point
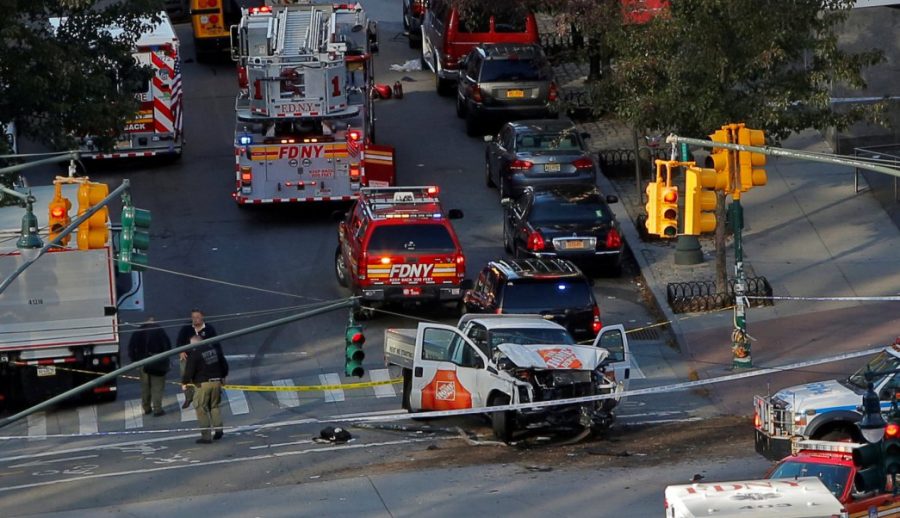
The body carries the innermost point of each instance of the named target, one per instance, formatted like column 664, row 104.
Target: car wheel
column 473, row 125
column 503, row 423
column 460, row 107
column 340, row 268
column 487, row 173
column 443, row 86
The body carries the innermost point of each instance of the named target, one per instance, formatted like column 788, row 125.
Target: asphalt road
column 245, row 266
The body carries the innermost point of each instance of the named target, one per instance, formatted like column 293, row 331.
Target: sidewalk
column 809, row 234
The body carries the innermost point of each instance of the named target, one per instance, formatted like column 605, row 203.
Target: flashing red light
column 354, row 173
column 460, row 259
column 246, row 177
column 552, row 94
column 385, row 260
column 476, row 94
column 613, row 239
column 261, row 10
column 757, row 422
column 596, row 325
column 520, row 165
column 583, row 163
column 358, row 338
column 354, row 135
column 213, row 19
column 433, row 191
column 536, row 241
column 670, row 195
column 212, row 3
column 892, row 431
column 57, row 211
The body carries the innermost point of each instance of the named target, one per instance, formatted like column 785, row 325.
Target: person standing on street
column 206, row 369
column 197, row 327
column 148, row 340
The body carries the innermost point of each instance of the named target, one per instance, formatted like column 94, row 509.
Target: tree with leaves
column 64, row 74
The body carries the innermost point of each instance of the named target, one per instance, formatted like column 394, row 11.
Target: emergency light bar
column 825, row 446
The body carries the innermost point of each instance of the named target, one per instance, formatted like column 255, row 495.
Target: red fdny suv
column 396, row 245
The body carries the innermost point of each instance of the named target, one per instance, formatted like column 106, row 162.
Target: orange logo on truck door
column 445, row 392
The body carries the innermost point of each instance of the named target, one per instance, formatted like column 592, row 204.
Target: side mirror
column 506, row 202
column 466, row 285
column 455, row 214
column 488, row 138
column 612, row 198
column 337, row 216
column 585, row 135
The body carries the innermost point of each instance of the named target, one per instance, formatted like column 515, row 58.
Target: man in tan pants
column 206, row 369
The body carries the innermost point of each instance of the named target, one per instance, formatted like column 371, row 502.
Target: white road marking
column 37, row 426
column 653, row 414
column 238, row 402
column 382, row 390
column 187, row 414
column 661, row 421
column 87, row 420
column 134, row 414
column 276, row 445
column 332, row 378
column 286, row 399
column 362, row 414
column 44, row 462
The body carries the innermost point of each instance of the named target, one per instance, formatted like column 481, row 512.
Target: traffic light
column 723, row 158
column 353, row 352
column 134, row 240
column 891, row 447
column 59, row 215
column 652, row 207
column 668, row 211
column 870, row 473
column 750, row 164
column 700, row 200
column 94, row 232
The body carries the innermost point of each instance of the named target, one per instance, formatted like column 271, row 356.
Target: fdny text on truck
column 304, row 126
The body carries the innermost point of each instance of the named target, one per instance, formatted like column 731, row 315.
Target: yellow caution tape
column 312, row 388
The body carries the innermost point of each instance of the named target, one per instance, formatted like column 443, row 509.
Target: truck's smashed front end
column 578, row 373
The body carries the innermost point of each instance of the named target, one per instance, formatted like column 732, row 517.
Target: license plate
column 48, row 370
column 123, row 144
column 515, row 93
column 412, row 292
column 578, row 244
column 551, row 168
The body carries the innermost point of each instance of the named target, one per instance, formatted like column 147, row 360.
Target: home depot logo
column 560, row 358
column 445, row 391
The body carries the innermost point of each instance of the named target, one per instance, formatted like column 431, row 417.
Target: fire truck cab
column 304, row 116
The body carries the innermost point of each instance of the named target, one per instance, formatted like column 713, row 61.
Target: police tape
column 878, row 298
column 312, row 388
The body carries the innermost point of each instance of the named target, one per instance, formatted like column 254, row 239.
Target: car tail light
column 552, row 94
column 757, row 422
column 613, row 239
column 596, row 325
column 257, row 90
column 520, row 165
column 385, row 260
column 354, row 172
column 242, row 77
column 536, row 241
column 363, row 267
column 460, row 265
column 246, row 175
column 583, row 163
column 476, row 94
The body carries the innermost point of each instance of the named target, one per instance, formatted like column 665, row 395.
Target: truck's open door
column 613, row 339
column 447, row 371
column 379, row 165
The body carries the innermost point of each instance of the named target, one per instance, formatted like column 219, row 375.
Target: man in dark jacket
column 148, row 340
column 197, row 327
column 206, row 369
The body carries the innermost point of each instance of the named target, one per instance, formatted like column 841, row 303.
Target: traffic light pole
column 65, row 232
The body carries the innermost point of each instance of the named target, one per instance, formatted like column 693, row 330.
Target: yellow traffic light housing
column 751, row 164
column 653, row 197
column 59, row 215
column 668, row 211
column 93, row 233
column 723, row 159
column 700, row 201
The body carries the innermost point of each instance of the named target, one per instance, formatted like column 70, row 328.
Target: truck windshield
column 882, row 362
column 411, row 238
column 530, row 336
column 834, row 477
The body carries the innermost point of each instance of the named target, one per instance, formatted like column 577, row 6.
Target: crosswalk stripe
column 134, row 414
column 37, row 426
column 238, row 402
column 382, row 390
column 286, row 399
column 187, row 414
column 332, row 378
column 87, row 420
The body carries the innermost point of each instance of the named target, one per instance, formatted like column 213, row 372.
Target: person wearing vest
column 206, row 369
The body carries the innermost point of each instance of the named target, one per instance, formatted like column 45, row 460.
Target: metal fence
column 620, row 162
column 688, row 297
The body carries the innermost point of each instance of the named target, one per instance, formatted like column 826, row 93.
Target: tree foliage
column 62, row 83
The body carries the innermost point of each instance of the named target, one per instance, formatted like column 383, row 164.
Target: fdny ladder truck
column 304, row 128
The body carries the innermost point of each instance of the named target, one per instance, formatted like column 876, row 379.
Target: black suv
column 569, row 221
column 512, row 81
column 555, row 288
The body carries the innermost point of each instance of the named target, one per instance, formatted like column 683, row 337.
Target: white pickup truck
column 826, row 410
column 492, row 360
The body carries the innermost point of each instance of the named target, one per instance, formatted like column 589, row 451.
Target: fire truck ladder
column 301, row 33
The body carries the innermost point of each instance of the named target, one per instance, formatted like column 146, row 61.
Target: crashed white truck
column 443, row 369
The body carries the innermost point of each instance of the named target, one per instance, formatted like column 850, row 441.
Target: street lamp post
column 29, row 242
column 872, row 423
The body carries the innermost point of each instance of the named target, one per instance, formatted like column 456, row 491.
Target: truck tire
column 503, row 423
column 340, row 268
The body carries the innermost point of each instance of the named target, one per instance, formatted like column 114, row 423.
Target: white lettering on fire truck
column 289, row 152
column 417, row 271
column 299, row 107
